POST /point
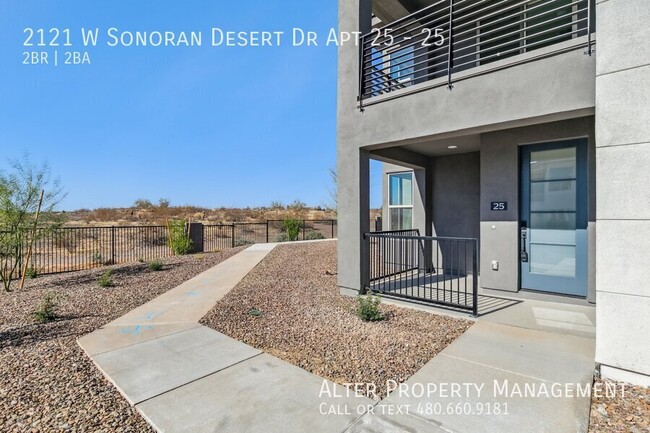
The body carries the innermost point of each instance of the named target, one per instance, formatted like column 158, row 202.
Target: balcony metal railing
column 451, row 36
column 435, row 270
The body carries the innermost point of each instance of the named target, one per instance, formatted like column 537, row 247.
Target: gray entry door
column 553, row 209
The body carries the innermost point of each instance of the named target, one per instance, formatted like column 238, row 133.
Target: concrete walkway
column 184, row 377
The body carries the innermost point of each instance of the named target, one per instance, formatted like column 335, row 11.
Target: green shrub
column 31, row 272
column 46, row 311
column 156, row 265
column 368, row 308
column 313, row 235
column 105, row 280
column 240, row 242
column 97, row 258
column 281, row 237
column 292, row 228
column 181, row 244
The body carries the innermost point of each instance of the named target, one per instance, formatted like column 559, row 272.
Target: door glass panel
column 553, row 221
column 552, row 229
column 555, row 260
column 559, row 195
column 553, row 164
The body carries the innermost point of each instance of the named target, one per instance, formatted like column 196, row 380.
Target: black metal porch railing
column 436, row 270
column 450, row 36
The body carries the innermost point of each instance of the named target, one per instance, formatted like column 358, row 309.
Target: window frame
column 399, row 206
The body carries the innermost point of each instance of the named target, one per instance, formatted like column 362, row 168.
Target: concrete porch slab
column 541, row 355
column 145, row 370
column 579, row 320
column 261, row 394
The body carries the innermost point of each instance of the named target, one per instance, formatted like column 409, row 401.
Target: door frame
column 582, row 210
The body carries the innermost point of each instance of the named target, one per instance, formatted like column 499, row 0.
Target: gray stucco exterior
column 603, row 98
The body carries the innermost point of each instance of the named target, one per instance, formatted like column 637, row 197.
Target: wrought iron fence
column 451, row 36
column 436, row 270
column 77, row 248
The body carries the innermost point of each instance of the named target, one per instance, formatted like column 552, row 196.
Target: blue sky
column 209, row 126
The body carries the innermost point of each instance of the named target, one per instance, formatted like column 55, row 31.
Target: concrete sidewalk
column 505, row 362
column 185, row 377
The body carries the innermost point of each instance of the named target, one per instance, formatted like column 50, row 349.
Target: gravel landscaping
column 629, row 414
column 290, row 306
column 46, row 381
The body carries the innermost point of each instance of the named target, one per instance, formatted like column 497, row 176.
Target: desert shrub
column 142, row 203
column 313, row 235
column 105, row 280
column 240, row 242
column 31, row 272
column 47, row 308
column 281, row 237
column 181, row 244
column 156, row 265
column 97, row 258
column 368, row 308
column 292, row 228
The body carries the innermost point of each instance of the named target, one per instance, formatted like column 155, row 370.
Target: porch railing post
column 475, row 278
column 589, row 51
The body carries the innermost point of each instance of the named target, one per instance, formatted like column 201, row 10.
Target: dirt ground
column 305, row 321
column 46, row 382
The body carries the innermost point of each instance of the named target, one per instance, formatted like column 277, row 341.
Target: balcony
column 452, row 40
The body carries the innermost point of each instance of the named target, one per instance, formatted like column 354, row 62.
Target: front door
column 553, row 209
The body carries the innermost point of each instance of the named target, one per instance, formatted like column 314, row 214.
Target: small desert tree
column 20, row 190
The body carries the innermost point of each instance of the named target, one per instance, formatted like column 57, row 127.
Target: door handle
column 522, row 239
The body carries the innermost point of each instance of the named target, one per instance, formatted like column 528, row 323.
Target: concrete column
column 623, row 189
column 354, row 219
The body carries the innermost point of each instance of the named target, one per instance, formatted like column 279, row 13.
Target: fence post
column 332, row 222
column 233, row 235
column 267, row 231
column 113, row 245
column 304, row 224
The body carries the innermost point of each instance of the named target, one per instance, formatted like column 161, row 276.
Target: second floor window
column 401, row 64
column 400, row 201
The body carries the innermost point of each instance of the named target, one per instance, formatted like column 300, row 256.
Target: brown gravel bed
column 305, row 321
column 46, row 382
column 628, row 414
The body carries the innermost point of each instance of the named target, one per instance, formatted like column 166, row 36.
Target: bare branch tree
column 20, row 190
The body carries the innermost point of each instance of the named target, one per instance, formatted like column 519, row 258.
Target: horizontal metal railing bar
column 480, row 42
column 522, row 21
column 418, row 237
column 368, row 100
column 505, row 18
column 521, row 48
column 469, row 25
column 428, row 301
column 524, row 30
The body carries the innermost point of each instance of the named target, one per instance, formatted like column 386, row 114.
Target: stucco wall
column 500, row 182
column 623, row 161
